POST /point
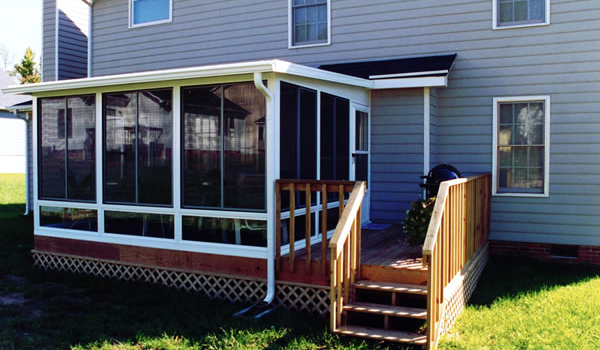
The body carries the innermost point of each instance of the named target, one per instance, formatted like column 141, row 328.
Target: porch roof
column 229, row 69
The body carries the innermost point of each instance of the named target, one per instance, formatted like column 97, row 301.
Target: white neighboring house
column 13, row 138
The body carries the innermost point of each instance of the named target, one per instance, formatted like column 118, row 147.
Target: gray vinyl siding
column 433, row 128
column 72, row 39
column 561, row 60
column 48, row 42
column 396, row 152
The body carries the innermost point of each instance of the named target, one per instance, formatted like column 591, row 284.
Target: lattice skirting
column 461, row 288
column 235, row 289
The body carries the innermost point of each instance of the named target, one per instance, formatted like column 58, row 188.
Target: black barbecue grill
column 437, row 175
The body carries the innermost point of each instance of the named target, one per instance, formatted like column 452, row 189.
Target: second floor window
column 146, row 12
column 521, row 12
column 309, row 22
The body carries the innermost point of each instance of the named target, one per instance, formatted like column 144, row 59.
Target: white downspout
column 258, row 82
column 25, row 118
column 89, row 48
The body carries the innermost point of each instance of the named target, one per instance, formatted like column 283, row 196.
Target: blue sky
column 21, row 26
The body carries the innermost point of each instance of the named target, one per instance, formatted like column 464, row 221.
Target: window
column 335, row 133
column 521, row 144
column 69, row 218
column 67, row 157
column 298, row 130
column 139, row 224
column 309, row 22
column 138, row 147
column 223, row 147
column 147, row 12
column 517, row 13
column 227, row 231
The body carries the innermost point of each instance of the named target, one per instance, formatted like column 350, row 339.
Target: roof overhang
column 229, row 69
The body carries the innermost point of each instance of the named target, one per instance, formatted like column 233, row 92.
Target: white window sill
column 131, row 26
column 528, row 195
column 308, row 45
column 518, row 26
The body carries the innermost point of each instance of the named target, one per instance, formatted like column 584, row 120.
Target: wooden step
column 391, row 287
column 388, row 310
column 381, row 334
column 416, row 275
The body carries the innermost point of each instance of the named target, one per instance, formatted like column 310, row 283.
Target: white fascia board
column 410, row 83
column 22, row 108
column 277, row 66
column 319, row 74
column 145, row 77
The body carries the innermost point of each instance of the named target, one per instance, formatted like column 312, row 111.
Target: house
column 14, row 110
column 166, row 132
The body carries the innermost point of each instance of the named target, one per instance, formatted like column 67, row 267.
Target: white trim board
column 495, row 115
column 162, row 21
column 291, row 44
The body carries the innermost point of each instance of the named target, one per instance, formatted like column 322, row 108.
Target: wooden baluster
column 340, row 277
column 347, row 269
column 332, row 292
column 358, row 241
column 324, row 230
column 353, row 252
column 307, row 230
column 292, row 225
column 277, row 227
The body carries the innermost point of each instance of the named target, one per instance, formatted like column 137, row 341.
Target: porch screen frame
column 356, row 97
column 176, row 210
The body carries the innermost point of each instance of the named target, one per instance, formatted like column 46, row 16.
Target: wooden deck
column 385, row 255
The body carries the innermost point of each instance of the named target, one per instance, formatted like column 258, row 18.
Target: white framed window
column 521, row 142
column 149, row 12
column 309, row 23
column 520, row 13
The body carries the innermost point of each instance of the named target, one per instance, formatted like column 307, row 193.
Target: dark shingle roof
column 7, row 100
column 367, row 69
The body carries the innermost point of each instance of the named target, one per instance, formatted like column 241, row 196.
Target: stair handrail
column 345, row 253
column 459, row 226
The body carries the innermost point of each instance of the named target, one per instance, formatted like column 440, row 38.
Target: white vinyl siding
column 521, row 145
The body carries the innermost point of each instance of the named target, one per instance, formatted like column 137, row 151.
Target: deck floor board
column 385, row 247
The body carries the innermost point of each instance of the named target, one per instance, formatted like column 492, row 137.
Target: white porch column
column 426, row 132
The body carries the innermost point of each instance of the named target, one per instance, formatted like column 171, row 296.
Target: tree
column 27, row 71
column 5, row 57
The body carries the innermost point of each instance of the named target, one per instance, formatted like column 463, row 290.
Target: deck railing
column 345, row 253
column 459, row 227
column 306, row 188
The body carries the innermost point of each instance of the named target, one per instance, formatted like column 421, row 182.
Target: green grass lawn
column 519, row 304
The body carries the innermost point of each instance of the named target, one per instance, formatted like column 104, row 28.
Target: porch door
column 360, row 154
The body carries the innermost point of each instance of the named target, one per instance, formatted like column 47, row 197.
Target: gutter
column 258, row 82
column 25, row 118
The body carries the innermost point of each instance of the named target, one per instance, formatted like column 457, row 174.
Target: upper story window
column 519, row 13
column 148, row 12
column 310, row 22
column 521, row 145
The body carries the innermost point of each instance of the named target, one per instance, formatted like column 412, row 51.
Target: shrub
column 417, row 220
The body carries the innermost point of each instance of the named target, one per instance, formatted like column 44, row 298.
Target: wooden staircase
column 390, row 311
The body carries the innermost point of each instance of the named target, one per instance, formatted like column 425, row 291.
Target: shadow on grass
column 67, row 311
column 509, row 277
